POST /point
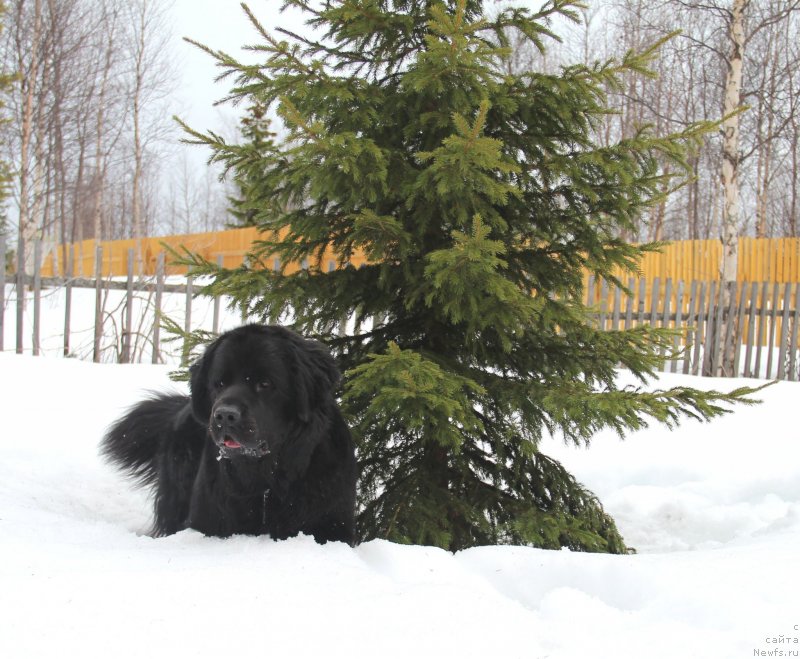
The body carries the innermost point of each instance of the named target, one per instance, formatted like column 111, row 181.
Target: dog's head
column 257, row 384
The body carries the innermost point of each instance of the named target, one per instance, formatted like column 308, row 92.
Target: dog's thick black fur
column 259, row 447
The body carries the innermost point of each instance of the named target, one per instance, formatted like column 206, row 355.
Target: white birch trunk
column 730, row 170
column 100, row 127
column 27, row 223
column 139, row 74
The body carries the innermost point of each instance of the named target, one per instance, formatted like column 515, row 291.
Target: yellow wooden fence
column 232, row 245
column 775, row 260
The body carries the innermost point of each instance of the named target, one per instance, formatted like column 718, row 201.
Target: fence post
column 2, row 289
column 665, row 312
column 215, row 323
column 20, row 292
column 98, row 302
column 590, row 292
column 642, row 301
column 703, row 326
column 762, row 327
column 629, row 303
column 616, row 310
column 603, row 304
column 246, row 265
column 751, row 329
column 773, row 322
column 187, row 320
column 676, row 342
column 341, row 329
column 126, row 333
column 787, row 292
column 157, row 314
column 654, row 301
column 68, row 299
column 739, row 330
column 793, row 343
column 37, row 297
column 687, row 357
column 711, row 325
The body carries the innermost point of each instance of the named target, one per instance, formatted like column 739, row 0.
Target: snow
column 713, row 510
column 82, row 319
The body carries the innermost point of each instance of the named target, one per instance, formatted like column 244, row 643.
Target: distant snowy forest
column 94, row 152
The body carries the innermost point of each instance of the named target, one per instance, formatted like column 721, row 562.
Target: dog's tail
column 135, row 442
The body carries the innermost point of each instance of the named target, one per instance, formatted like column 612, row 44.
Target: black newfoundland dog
column 259, row 447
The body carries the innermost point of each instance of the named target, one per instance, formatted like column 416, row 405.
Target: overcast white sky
column 222, row 25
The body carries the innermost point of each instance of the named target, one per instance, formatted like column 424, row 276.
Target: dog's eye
column 219, row 384
column 263, row 385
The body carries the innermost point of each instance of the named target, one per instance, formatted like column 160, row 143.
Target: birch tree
column 150, row 83
column 6, row 81
column 730, row 149
column 29, row 72
column 88, row 117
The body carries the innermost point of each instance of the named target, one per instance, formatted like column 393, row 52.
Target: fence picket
column 692, row 322
column 2, row 289
column 782, row 347
column 37, row 297
column 711, row 324
column 20, row 293
column 98, row 303
column 629, row 303
column 616, row 311
column 676, row 342
column 654, row 301
column 762, row 327
column 68, row 300
column 160, row 268
column 718, row 345
column 187, row 327
column 642, row 300
column 128, row 331
column 751, row 319
column 793, row 374
column 666, row 305
column 773, row 321
column 246, row 264
column 215, row 321
column 702, row 330
column 738, row 334
column 603, row 303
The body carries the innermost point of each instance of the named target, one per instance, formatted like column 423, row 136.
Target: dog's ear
column 315, row 374
column 198, row 384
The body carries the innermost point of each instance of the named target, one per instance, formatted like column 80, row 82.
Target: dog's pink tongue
column 232, row 443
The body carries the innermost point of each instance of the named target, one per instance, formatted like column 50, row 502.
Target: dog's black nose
column 225, row 415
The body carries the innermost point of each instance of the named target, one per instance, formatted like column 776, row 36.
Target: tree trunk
column 730, row 172
column 100, row 164
column 139, row 73
column 27, row 224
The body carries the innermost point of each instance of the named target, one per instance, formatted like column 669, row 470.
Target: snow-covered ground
column 713, row 510
column 82, row 319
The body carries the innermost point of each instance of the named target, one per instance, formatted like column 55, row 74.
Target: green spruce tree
column 252, row 199
column 481, row 199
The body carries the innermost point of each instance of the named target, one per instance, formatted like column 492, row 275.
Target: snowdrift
column 713, row 510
